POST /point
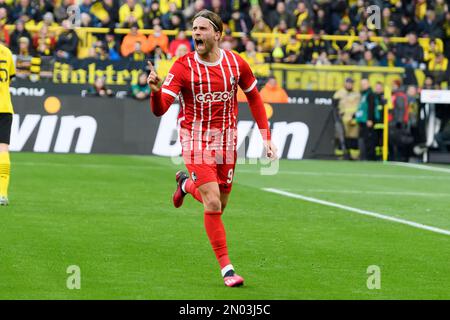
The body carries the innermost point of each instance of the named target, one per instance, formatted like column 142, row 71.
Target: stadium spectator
column 191, row 9
column 61, row 10
column 66, row 46
column 391, row 60
column 165, row 5
column 429, row 84
column 443, row 136
column 430, row 26
column 280, row 13
column 107, row 12
column 179, row 40
column 4, row 34
column 301, row 14
column 158, row 38
column 158, row 55
column 174, row 18
column 138, row 54
column 128, row 45
column 23, row 58
column 315, row 44
column 343, row 30
column 263, row 43
column 365, row 116
column 407, row 25
column 99, row 51
column 438, row 68
column 251, row 55
column 344, row 59
column 292, row 50
column 141, row 90
column 411, row 52
column 99, row 89
column 19, row 32
column 44, row 42
column 26, row 12
column 131, row 13
column 240, row 21
column 346, row 101
column 222, row 9
column 413, row 107
column 320, row 59
column 362, row 45
column 400, row 137
column 47, row 20
column 112, row 45
column 153, row 16
column 273, row 93
column 380, row 102
column 368, row 60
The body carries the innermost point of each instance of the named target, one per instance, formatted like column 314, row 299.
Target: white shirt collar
column 209, row 64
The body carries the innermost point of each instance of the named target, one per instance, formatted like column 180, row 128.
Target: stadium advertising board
column 293, row 77
column 331, row 78
column 125, row 126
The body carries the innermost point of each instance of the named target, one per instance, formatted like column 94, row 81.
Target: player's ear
column 217, row 36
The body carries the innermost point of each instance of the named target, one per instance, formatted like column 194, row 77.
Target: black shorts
column 5, row 127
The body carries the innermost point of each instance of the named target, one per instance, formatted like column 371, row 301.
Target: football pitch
column 309, row 232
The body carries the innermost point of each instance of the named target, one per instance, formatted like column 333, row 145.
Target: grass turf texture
column 113, row 217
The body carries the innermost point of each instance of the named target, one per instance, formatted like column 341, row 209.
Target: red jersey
column 208, row 98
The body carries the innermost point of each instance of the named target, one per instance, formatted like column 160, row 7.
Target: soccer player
column 7, row 71
column 205, row 81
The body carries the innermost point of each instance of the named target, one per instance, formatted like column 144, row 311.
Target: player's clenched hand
column 153, row 80
column 271, row 150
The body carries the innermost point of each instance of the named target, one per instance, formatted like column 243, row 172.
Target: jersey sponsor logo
column 217, row 96
column 168, row 79
column 193, row 176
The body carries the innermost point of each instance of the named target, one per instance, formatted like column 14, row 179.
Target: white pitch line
column 350, row 174
column 420, row 166
column 359, row 211
column 387, row 193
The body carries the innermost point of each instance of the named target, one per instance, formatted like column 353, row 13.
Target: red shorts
column 217, row 167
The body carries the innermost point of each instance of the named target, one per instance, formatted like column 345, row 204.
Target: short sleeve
column 247, row 80
column 174, row 80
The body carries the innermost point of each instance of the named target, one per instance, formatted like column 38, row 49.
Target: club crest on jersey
column 218, row 96
column 168, row 79
column 193, row 176
column 232, row 80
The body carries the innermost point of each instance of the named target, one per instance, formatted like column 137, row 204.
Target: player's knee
column 213, row 204
column 4, row 147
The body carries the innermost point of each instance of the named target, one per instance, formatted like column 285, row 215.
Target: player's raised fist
column 153, row 80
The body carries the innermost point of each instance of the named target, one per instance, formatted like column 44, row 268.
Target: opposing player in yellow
column 7, row 71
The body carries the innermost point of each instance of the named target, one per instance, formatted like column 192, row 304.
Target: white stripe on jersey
column 195, row 107
column 230, row 111
column 224, row 104
column 237, row 66
column 251, row 87
column 200, row 133
column 171, row 93
column 210, row 107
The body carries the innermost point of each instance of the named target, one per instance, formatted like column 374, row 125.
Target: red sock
column 190, row 187
column 216, row 234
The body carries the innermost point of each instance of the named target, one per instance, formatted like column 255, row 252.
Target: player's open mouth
column 199, row 43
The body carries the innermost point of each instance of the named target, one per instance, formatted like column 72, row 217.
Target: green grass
column 112, row 216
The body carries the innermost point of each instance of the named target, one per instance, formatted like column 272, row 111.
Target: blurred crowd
column 279, row 21
column 359, row 117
